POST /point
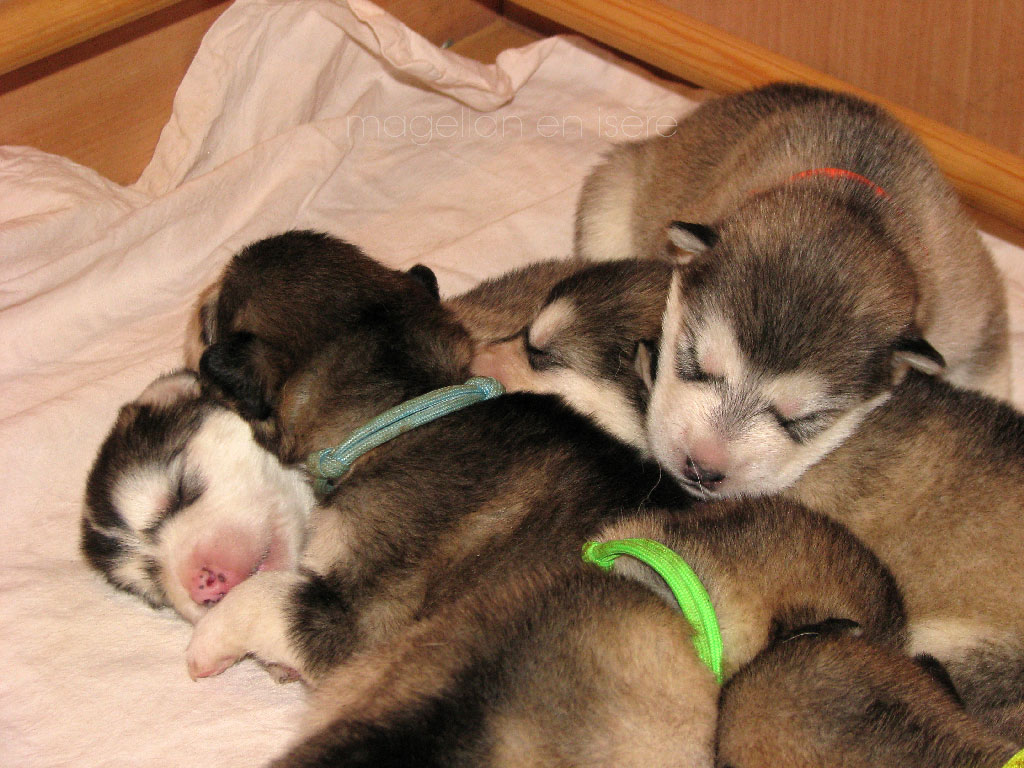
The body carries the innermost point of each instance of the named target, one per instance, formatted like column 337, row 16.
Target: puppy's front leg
column 255, row 619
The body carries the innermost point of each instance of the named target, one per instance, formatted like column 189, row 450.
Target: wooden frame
column 989, row 179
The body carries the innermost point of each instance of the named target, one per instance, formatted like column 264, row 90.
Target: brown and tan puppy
column 826, row 254
column 581, row 337
column 442, row 580
column 499, row 307
column 931, row 482
column 571, row 666
column 816, row 700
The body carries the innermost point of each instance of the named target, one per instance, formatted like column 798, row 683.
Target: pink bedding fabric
column 295, row 113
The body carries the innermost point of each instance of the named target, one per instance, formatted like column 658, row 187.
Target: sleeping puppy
column 499, row 307
column 442, row 572
column 181, row 505
column 830, row 699
column 825, row 255
column 928, row 480
column 579, row 339
column 569, row 666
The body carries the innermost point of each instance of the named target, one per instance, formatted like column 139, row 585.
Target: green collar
column 685, row 585
column 328, row 465
column 1017, row 761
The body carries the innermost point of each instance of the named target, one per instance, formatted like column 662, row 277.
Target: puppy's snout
column 702, row 475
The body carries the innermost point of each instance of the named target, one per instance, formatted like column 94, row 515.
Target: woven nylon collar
column 831, row 173
column 840, row 173
column 685, row 585
column 330, row 464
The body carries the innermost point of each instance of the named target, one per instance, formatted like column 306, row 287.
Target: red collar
column 840, row 173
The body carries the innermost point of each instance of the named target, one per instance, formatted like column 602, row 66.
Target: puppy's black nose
column 702, row 476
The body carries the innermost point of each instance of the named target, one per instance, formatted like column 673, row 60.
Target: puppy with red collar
column 822, row 255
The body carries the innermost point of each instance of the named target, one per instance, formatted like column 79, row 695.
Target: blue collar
column 328, row 465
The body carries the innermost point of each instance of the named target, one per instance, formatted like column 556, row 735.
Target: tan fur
column 200, row 327
column 931, row 482
column 767, row 564
column 840, row 701
column 620, row 703
column 502, row 305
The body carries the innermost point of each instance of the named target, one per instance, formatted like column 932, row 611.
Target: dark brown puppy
column 570, row 666
column 457, row 528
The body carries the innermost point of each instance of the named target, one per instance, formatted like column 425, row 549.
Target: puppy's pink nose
column 209, row 585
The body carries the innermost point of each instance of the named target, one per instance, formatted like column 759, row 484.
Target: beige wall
column 960, row 62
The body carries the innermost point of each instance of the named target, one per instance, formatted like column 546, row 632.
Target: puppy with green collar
column 929, row 480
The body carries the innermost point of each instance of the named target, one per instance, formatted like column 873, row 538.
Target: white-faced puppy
column 181, row 504
column 930, row 481
column 442, row 609
column 827, row 255
column 830, row 699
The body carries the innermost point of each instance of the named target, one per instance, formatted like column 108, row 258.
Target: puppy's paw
column 282, row 674
column 215, row 645
column 251, row 619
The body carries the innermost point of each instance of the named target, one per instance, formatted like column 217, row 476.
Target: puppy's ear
column 169, row 389
column 426, row 277
column 686, row 240
column 201, row 331
column 645, row 362
column 912, row 351
column 245, row 370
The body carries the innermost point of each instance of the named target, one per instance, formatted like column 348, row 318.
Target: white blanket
column 295, row 113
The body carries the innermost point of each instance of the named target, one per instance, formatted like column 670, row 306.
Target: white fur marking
column 552, row 319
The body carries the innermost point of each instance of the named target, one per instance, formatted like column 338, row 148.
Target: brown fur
column 929, row 480
column 844, row 702
column 500, row 307
column 770, row 565
column 628, row 688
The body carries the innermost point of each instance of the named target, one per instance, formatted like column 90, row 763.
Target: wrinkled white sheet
column 295, row 113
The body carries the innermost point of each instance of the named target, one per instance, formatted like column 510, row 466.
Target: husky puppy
column 498, row 308
column 581, row 337
column 441, row 589
column 181, row 505
column 479, row 681
column 827, row 256
column 928, row 481
column 836, row 700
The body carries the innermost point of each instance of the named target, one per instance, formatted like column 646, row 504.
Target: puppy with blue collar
column 441, row 605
